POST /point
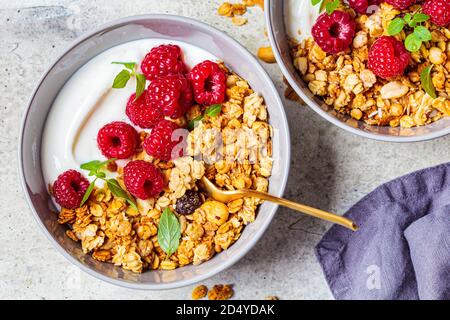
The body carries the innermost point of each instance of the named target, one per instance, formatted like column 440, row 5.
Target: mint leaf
column 101, row 175
column 407, row 18
column 140, row 85
column 120, row 81
column 88, row 192
column 117, row 191
column 94, row 168
column 427, row 83
column 214, row 110
column 315, row 2
column 396, row 26
column 169, row 232
column 420, row 17
column 422, row 33
column 93, row 165
column 332, row 6
column 412, row 43
column 193, row 123
column 128, row 65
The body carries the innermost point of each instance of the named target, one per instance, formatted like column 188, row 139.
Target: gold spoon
column 227, row 196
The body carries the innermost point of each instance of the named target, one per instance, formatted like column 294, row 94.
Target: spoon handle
column 331, row 217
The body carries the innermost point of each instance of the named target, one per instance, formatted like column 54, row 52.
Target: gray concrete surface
column 331, row 169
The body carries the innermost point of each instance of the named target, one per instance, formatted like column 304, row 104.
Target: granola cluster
column 235, row 11
column 347, row 85
column 232, row 149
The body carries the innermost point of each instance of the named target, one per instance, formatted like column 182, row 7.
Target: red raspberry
column 117, row 140
column 361, row 6
column 69, row 189
column 209, row 83
column 172, row 95
column 142, row 179
column 141, row 113
column 439, row 11
column 401, row 4
column 334, row 33
column 162, row 140
column 388, row 57
column 162, row 61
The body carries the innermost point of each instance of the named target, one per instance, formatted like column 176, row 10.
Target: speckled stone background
column 331, row 169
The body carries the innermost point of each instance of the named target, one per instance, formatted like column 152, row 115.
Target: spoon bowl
column 231, row 195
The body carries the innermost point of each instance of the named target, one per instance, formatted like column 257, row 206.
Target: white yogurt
column 299, row 17
column 87, row 102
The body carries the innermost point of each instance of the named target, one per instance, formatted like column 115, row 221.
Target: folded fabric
column 402, row 248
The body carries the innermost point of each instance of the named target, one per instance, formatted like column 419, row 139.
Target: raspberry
column 142, row 179
column 141, row 113
column 117, row 140
column 361, row 6
column 388, row 57
column 334, row 33
column 401, row 4
column 162, row 140
column 162, row 61
column 209, row 83
column 69, row 189
column 439, row 11
column 172, row 95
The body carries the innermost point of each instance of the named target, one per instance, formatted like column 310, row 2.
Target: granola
column 111, row 230
column 347, row 85
column 220, row 292
column 199, row 292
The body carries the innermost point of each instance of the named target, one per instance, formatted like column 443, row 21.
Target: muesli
column 382, row 62
column 142, row 207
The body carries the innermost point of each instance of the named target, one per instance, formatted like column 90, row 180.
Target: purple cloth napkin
column 402, row 249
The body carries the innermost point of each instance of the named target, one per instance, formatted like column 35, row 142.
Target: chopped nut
column 406, row 122
column 220, row 292
column 72, row 235
column 226, row 9
column 102, row 255
column 301, row 64
column 356, row 114
column 266, row 55
column 239, row 21
column 360, row 39
column 396, row 110
column 239, row 9
column 216, row 212
column 111, row 166
column 393, row 90
column 368, row 78
column 199, row 292
column 437, row 56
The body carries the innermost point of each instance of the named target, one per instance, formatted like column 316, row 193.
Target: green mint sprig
column 212, row 111
column 169, row 232
column 427, row 83
column 328, row 5
column 121, row 80
column 95, row 169
column 413, row 41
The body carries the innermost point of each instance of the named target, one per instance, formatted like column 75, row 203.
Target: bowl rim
column 285, row 163
column 313, row 105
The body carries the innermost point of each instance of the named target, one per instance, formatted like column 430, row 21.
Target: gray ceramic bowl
column 277, row 33
column 85, row 48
